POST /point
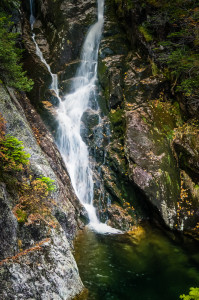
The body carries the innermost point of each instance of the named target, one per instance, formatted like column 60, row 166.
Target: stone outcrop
column 47, row 270
column 60, row 28
column 147, row 135
column 33, row 250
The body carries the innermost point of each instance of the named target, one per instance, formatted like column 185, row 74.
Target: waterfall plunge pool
column 142, row 265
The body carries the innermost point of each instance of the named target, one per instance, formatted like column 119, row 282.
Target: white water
column 69, row 114
column 54, row 84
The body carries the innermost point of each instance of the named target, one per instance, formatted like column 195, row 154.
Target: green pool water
column 144, row 265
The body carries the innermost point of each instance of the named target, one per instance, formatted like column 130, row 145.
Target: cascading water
column 69, row 114
column 70, row 111
column 54, row 84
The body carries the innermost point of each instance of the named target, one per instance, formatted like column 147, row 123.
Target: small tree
column 11, row 71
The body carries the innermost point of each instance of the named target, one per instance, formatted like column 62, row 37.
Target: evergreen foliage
column 49, row 183
column 171, row 29
column 11, row 70
column 193, row 294
column 12, row 155
column 175, row 27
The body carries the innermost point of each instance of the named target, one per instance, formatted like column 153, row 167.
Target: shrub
column 11, row 72
column 49, row 183
column 193, row 294
column 145, row 32
column 34, row 201
column 12, row 155
column 21, row 215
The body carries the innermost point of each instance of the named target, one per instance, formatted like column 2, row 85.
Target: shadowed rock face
column 139, row 151
column 159, row 164
column 60, row 29
column 64, row 25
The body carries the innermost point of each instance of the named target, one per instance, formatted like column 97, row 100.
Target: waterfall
column 69, row 113
column 54, row 84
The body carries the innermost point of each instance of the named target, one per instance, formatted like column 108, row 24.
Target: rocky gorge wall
column 37, row 225
column 145, row 156
column 153, row 137
column 36, row 233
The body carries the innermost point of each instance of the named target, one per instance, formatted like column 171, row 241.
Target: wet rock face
column 149, row 157
column 65, row 24
column 186, row 146
column 45, row 158
column 111, row 183
column 151, row 164
column 36, row 260
column 119, row 218
column 60, row 28
column 159, row 155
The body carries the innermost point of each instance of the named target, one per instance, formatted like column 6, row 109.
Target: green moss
column 102, row 69
column 146, row 33
column 116, row 116
column 168, row 178
column 144, row 119
column 118, row 123
column 193, row 294
column 21, row 216
column 166, row 117
column 49, row 183
column 169, row 159
column 154, row 68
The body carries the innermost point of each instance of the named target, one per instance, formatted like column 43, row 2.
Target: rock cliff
column 144, row 149
column 32, row 248
column 154, row 138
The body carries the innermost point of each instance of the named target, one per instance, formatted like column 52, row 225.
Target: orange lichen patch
column 37, row 247
column 36, row 218
column 83, row 295
column 146, row 80
column 196, row 228
column 138, row 70
column 34, row 204
column 2, row 126
column 187, row 129
column 137, row 233
column 37, row 134
column 47, row 103
column 184, row 205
